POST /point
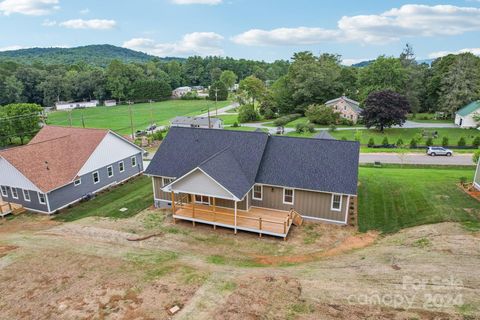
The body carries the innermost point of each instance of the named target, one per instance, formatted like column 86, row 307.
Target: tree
column 253, row 88
column 220, row 89
column 120, row 79
column 321, row 114
column 145, row 90
column 247, row 113
column 24, row 119
column 229, row 78
column 384, row 109
column 13, row 90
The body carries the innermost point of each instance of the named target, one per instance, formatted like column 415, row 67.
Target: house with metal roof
column 61, row 166
column 197, row 122
column 464, row 118
column 349, row 109
column 253, row 181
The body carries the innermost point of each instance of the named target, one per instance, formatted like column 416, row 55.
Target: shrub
column 280, row 122
column 311, row 127
column 476, row 142
column 344, row 138
column 462, row 142
column 476, row 156
column 371, row 143
column 345, row 122
column 445, row 141
column 413, row 143
column 463, row 180
column 332, row 127
column 235, row 124
column 321, row 114
column 305, row 127
column 358, row 135
column 247, row 113
column 157, row 135
column 400, row 142
column 429, row 142
column 192, row 95
column 385, row 142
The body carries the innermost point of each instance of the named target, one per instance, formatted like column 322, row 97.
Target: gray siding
column 477, row 174
column 33, row 204
column 71, row 193
column 307, row 203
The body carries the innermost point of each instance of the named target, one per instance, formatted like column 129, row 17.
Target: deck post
column 193, row 210
column 260, row 226
column 173, row 206
column 235, row 217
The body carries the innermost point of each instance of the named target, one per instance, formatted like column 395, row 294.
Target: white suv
column 439, row 151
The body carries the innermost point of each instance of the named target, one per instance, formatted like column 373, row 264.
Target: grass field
column 118, row 118
column 427, row 117
column 294, row 123
column 393, row 198
column 135, row 195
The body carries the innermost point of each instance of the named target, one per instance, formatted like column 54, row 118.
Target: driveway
column 416, row 158
column 221, row 110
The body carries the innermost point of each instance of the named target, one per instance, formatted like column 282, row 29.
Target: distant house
column 181, row 91
column 197, row 122
column 110, row 103
column 60, row 166
column 348, row 108
column 72, row 105
column 464, row 118
column 254, row 181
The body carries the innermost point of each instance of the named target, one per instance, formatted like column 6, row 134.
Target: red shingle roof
column 55, row 155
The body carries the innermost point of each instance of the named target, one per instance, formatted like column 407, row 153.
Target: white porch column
column 235, row 217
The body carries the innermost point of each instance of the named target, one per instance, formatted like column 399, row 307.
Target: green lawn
column 118, row 119
column 228, row 119
column 427, row 117
column 243, row 128
column 135, row 195
column 392, row 198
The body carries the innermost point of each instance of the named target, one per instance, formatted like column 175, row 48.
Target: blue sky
column 261, row 29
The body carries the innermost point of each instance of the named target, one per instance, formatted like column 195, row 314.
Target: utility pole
column 83, row 120
column 70, row 118
column 208, row 111
column 216, row 100
column 131, row 120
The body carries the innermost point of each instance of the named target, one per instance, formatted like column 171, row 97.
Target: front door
column 202, row 199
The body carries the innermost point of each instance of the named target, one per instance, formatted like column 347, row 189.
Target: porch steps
column 297, row 219
column 353, row 212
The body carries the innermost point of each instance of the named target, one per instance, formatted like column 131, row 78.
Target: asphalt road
column 416, row 158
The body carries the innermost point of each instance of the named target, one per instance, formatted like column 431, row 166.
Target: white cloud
column 196, row 43
column 84, row 11
column 49, row 23
column 29, row 7
column 407, row 21
column 209, row 2
column 98, row 24
column 438, row 54
column 10, row 48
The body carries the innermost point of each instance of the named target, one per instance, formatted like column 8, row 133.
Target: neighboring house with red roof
column 348, row 108
column 61, row 165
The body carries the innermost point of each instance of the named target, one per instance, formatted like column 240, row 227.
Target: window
column 26, row 195
column 202, row 199
column 336, row 202
column 166, row 181
column 288, row 196
column 96, row 177
column 14, row 193
column 77, row 182
column 121, row 166
column 41, row 198
column 4, row 191
column 257, row 192
column 110, row 171
column 134, row 161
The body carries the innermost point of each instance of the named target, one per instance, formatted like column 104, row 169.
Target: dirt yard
column 94, row 269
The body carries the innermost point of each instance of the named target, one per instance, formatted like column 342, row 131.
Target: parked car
column 439, row 151
column 280, row 130
column 152, row 127
column 140, row 133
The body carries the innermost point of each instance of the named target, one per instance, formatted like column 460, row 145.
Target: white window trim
column 44, row 198
column 4, row 191
column 122, row 168
column 132, row 160
column 331, row 203
column 201, row 197
column 79, row 180
column 25, row 197
column 293, row 196
column 170, row 180
column 108, row 174
column 261, row 192
column 16, row 191
column 93, row 177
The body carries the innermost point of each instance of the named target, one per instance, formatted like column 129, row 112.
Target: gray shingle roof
column 355, row 105
column 200, row 121
column 239, row 159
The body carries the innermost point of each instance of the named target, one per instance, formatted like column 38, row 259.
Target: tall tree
column 228, row 77
column 384, row 109
column 220, row 90
column 24, row 119
column 252, row 87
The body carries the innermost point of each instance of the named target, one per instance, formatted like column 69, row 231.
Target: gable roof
column 355, row 105
column 55, row 155
column 323, row 134
column 200, row 121
column 469, row 108
column 239, row 159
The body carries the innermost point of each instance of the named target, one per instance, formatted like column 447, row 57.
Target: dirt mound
column 348, row 244
column 5, row 249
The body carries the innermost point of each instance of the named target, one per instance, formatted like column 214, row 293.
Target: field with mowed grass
column 392, row 198
column 135, row 195
column 118, row 118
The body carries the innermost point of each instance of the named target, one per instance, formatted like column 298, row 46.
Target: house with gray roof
column 465, row 117
column 253, row 181
column 349, row 109
column 197, row 122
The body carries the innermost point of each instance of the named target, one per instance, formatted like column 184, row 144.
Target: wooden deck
column 7, row 208
column 259, row 220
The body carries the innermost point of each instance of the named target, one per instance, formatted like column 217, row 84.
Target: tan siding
column 307, row 203
column 159, row 194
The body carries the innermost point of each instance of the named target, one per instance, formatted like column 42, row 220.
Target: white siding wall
column 467, row 121
column 199, row 183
